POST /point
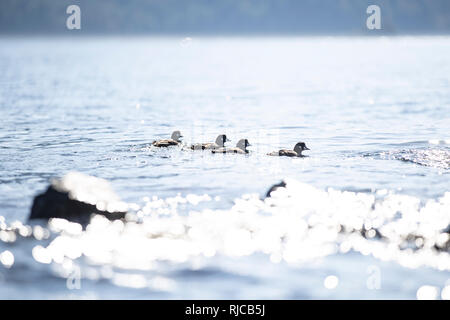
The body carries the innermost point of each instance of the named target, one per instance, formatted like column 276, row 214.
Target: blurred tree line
column 187, row 17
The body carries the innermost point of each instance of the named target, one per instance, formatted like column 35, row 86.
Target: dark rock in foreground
column 77, row 196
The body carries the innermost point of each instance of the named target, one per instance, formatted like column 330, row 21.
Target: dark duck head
column 176, row 135
column 243, row 144
column 299, row 147
column 221, row 139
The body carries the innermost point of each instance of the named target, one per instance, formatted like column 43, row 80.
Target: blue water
column 375, row 113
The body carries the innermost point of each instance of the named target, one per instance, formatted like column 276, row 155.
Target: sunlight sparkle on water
column 326, row 223
column 331, row 282
column 427, row 293
column 7, row 258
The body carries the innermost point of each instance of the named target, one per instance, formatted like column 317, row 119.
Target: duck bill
column 306, row 148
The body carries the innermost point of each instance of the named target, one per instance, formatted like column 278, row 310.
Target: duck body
column 229, row 150
column 297, row 152
column 165, row 143
column 220, row 143
column 241, row 148
column 205, row 146
column 285, row 153
column 173, row 141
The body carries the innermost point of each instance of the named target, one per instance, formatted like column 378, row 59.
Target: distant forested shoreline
column 224, row 16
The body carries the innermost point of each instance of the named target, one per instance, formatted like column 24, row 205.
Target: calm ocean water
column 375, row 113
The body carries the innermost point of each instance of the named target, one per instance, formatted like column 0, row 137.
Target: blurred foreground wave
column 297, row 225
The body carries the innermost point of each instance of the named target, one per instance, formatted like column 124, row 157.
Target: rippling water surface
column 366, row 215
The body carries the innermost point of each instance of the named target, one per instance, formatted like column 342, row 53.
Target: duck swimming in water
column 297, row 152
column 173, row 141
column 220, row 143
column 241, row 147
